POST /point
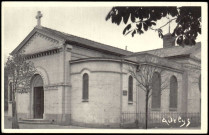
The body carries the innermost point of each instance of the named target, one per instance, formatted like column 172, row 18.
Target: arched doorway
column 38, row 97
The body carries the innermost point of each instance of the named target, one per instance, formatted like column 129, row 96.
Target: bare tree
column 20, row 72
column 143, row 73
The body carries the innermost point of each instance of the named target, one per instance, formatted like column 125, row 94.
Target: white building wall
column 103, row 106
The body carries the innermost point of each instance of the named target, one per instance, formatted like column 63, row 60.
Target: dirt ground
column 8, row 125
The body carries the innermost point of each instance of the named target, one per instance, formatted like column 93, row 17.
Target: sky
column 87, row 21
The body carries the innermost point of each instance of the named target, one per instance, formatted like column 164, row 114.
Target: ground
column 8, row 125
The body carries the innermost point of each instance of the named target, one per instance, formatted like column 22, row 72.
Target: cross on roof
column 38, row 17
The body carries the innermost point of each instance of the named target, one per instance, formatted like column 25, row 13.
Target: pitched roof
column 23, row 42
column 162, row 52
column 77, row 40
column 89, row 43
column 172, row 51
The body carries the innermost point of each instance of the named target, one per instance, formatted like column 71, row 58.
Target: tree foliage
column 5, row 91
column 188, row 20
column 19, row 71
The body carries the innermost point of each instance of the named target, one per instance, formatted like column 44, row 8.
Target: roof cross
column 38, row 17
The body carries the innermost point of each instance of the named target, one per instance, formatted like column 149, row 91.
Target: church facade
column 82, row 82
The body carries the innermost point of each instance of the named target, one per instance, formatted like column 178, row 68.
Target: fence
column 161, row 120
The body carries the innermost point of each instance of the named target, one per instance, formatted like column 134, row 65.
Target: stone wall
column 51, row 69
column 192, row 73
column 194, row 94
column 139, row 94
column 103, row 106
column 52, row 65
column 126, row 105
column 23, row 107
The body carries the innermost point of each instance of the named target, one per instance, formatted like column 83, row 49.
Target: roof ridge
column 66, row 34
column 188, row 49
column 160, row 49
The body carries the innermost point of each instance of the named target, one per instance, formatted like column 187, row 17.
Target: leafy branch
column 188, row 21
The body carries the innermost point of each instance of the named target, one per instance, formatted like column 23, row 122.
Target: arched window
column 130, row 89
column 10, row 91
column 173, row 92
column 85, row 86
column 156, row 90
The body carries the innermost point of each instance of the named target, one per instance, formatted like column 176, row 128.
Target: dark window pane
column 173, row 92
column 85, row 86
column 156, row 90
column 130, row 88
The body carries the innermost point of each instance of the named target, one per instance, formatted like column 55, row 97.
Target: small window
column 173, row 92
column 130, row 89
column 10, row 91
column 85, row 87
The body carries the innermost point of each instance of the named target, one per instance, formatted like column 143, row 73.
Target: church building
column 86, row 83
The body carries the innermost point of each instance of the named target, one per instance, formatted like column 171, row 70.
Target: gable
column 39, row 42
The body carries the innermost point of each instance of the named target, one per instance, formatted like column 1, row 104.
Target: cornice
column 55, row 86
column 43, row 53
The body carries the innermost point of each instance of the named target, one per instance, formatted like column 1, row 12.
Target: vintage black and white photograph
column 116, row 66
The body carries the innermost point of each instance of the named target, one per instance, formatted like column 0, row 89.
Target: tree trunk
column 15, row 124
column 146, row 109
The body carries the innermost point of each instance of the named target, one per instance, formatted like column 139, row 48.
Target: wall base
column 95, row 125
column 61, row 119
column 64, row 119
column 22, row 116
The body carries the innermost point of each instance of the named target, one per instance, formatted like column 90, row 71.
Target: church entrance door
column 37, row 97
column 38, row 102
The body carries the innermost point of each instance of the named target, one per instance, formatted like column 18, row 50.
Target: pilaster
column 184, row 96
column 65, row 56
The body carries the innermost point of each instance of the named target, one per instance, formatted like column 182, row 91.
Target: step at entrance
column 35, row 121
